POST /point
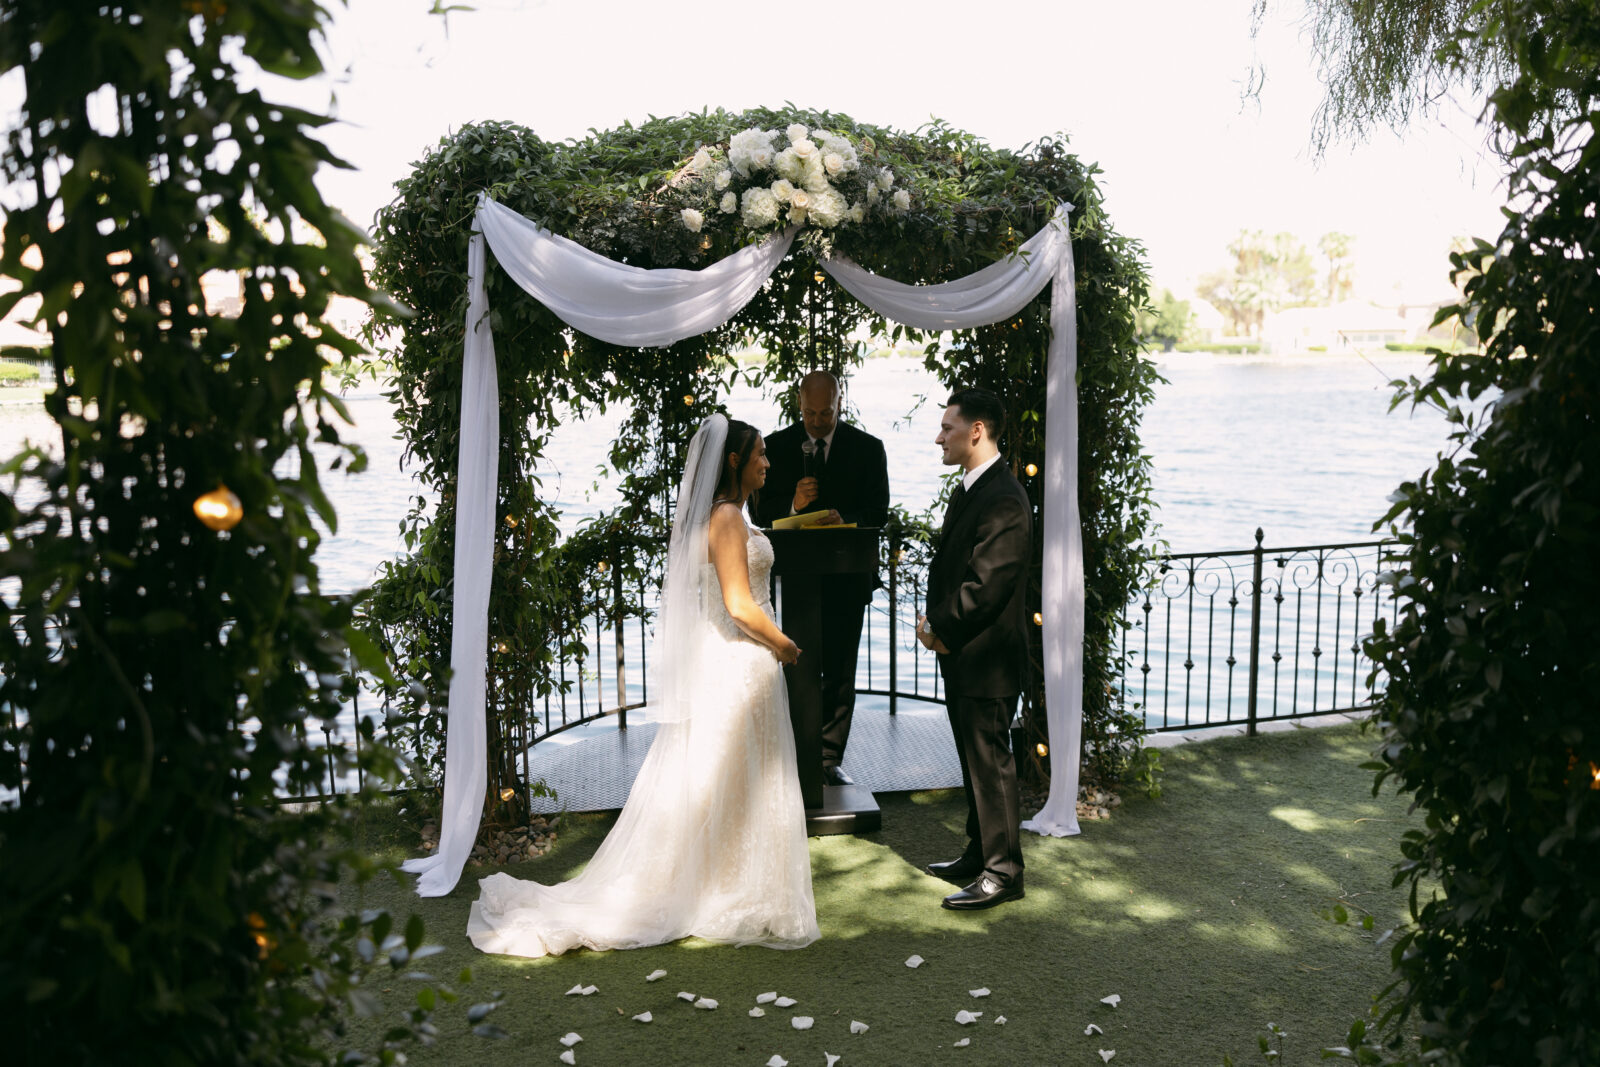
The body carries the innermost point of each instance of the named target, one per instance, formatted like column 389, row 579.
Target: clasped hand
column 927, row 638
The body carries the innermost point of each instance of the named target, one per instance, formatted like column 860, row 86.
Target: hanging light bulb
column 1042, row 748
column 511, row 521
column 603, row 566
column 688, row 400
column 1038, row 618
column 1032, row 469
column 219, row 509
column 819, row 277
column 507, row 793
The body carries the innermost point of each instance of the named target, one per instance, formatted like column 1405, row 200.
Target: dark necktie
column 821, row 459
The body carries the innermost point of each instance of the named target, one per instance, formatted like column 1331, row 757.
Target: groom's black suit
column 854, row 481
column 977, row 590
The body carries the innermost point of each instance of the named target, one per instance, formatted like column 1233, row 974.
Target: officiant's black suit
column 854, row 481
column 977, row 606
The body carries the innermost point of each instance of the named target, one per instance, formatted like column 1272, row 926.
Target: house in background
column 1351, row 326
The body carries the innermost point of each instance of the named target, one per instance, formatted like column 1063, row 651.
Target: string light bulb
column 1032, row 469
column 507, row 793
column 818, row 277
column 219, row 509
column 688, row 400
column 511, row 521
column 1042, row 748
column 603, row 566
column 1038, row 618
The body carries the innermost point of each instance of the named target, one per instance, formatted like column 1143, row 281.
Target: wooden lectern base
column 846, row 809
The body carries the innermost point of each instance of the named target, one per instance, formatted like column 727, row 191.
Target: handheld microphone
column 808, row 452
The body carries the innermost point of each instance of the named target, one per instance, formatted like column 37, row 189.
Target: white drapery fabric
column 632, row 306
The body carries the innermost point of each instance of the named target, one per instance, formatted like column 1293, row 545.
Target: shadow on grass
column 1199, row 909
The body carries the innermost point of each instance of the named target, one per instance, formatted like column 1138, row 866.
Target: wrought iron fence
column 1253, row 635
column 1215, row 639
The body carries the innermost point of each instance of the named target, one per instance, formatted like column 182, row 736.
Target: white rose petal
column 687, row 996
column 706, row 1004
column 786, row 1002
column 999, row 1020
column 571, row 1039
column 1092, row 1029
column 796, row 132
column 964, row 1042
column 730, row 202
column 902, row 200
column 758, row 1013
column 723, row 179
column 568, row 1058
column 576, row 991
column 802, row 1022
column 655, row 976
column 979, row 992
column 1106, row 1054
column 967, row 1018
column 832, row 1059
column 766, row 998
column 1113, row 1000
column 693, row 220
column 914, row 962
column 777, row 1061
column 643, row 1017
column 858, row 1027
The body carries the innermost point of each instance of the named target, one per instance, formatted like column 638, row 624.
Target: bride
column 712, row 840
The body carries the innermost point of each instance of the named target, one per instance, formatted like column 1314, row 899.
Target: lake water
column 1303, row 447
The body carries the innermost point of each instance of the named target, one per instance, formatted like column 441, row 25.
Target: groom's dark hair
column 742, row 438
column 980, row 405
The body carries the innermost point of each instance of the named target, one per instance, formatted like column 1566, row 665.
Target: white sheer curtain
column 633, row 306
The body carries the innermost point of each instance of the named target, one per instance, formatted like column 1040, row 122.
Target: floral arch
column 786, row 230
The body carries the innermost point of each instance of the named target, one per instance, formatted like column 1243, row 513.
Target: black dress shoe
column 956, row 872
column 834, row 775
column 986, row 892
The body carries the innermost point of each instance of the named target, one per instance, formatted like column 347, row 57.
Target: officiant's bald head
column 819, row 402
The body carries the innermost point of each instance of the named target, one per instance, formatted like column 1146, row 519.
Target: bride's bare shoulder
column 727, row 519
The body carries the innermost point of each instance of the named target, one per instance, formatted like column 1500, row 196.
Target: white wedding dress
column 712, row 840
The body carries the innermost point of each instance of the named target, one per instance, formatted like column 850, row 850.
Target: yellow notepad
column 809, row 521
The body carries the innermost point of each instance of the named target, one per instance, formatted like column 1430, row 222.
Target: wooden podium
column 801, row 558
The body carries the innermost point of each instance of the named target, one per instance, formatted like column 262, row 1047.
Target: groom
column 822, row 464
column 977, row 623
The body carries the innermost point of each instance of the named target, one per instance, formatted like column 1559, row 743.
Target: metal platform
column 594, row 770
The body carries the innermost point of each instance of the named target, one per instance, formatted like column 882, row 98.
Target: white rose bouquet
column 796, row 176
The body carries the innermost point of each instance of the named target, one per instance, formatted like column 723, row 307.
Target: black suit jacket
column 855, row 482
column 977, row 587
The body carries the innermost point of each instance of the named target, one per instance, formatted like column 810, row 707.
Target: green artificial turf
column 1200, row 909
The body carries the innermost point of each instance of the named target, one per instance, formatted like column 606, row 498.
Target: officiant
column 822, row 464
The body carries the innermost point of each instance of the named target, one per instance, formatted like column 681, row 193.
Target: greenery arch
column 622, row 193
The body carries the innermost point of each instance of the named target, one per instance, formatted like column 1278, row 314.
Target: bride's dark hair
column 742, row 438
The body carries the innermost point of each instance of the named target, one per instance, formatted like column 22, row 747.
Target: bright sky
column 1148, row 89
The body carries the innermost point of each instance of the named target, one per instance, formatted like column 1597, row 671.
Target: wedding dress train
column 712, row 840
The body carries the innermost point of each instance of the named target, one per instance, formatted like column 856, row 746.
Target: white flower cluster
column 803, row 189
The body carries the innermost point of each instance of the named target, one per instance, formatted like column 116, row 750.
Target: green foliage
column 1267, row 273
column 160, row 679
column 621, row 193
column 1488, row 713
column 1165, row 320
column 18, row 374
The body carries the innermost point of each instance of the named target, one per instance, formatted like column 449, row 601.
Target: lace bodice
column 759, row 556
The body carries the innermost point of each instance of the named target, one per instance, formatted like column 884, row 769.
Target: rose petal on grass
column 1092, row 1029
column 963, row 1043
column 1106, row 1054
column 1000, row 1020
column 571, row 1039
column 588, row 989
column 786, row 1002
column 643, row 1017
column 706, row 1004
column 655, row 976
column 858, row 1027
column 766, row 998
column 832, row 1059
column 777, row 1061
column 967, row 1018
column 568, row 1058
column 575, row 991
column 757, row 1013
column 687, row 996
column 801, row 1022
column 914, row 962
column 979, row 992
column 1113, row 1000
